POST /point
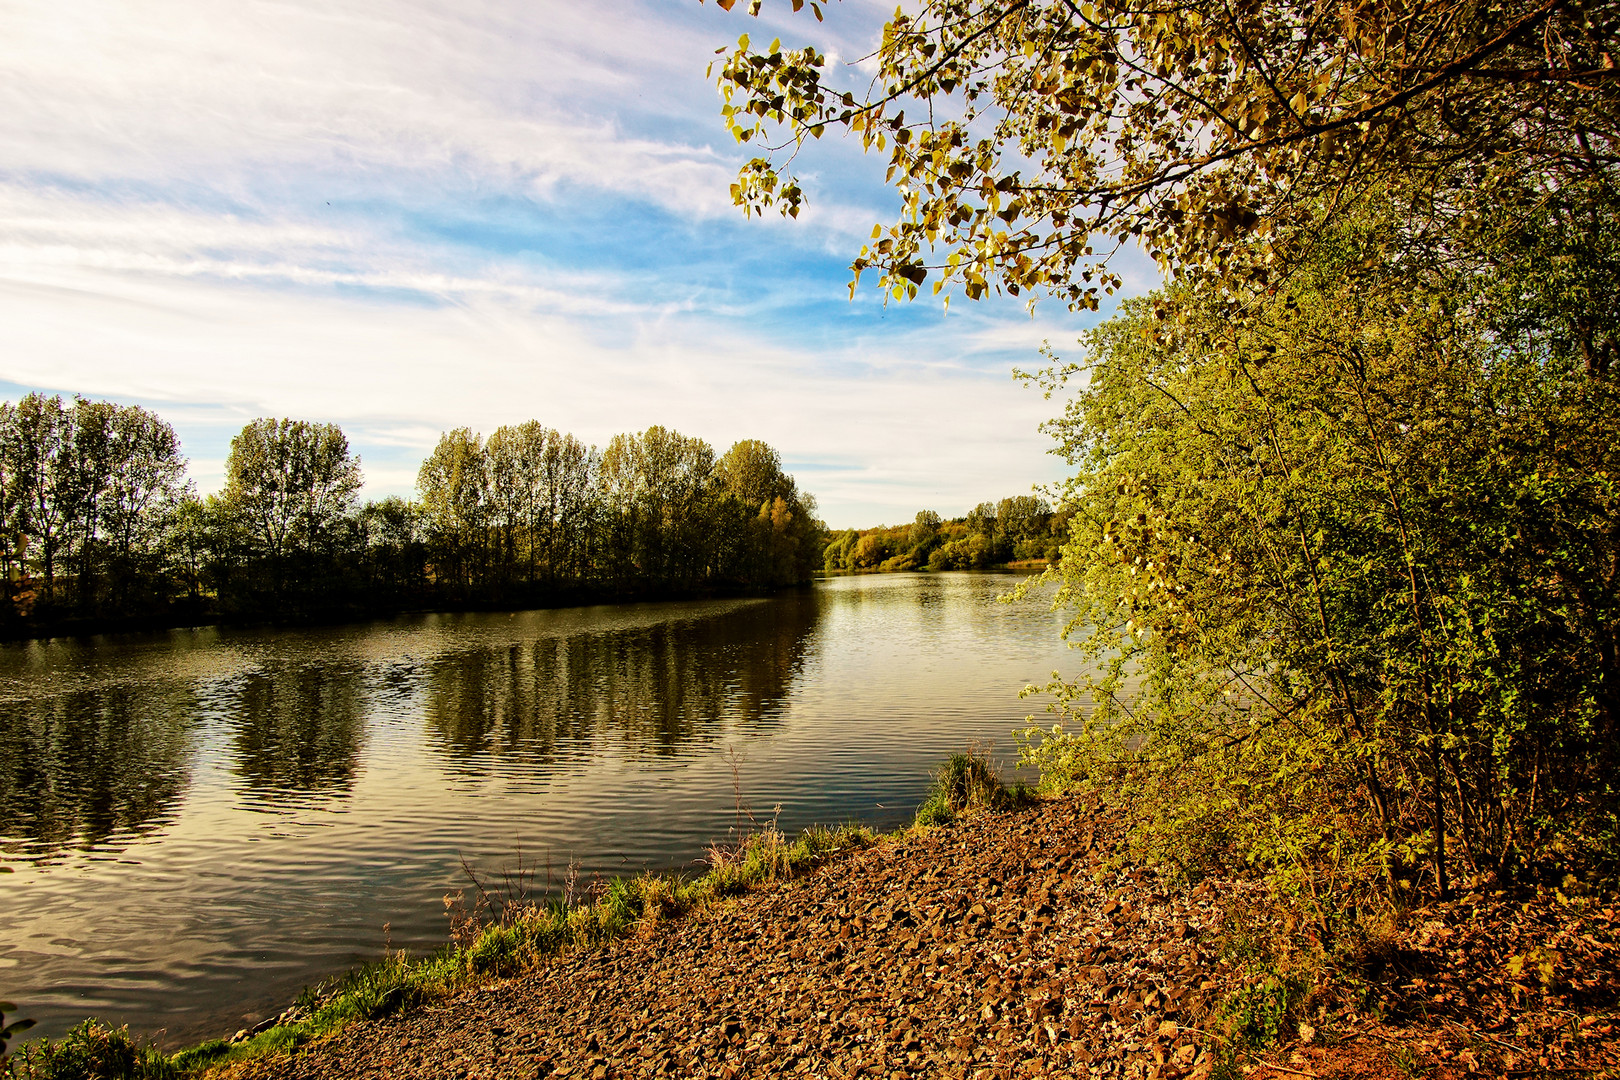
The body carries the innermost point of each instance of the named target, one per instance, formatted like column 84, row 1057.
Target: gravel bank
column 992, row 947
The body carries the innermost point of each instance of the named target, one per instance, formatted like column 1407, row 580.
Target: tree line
column 1023, row 528
column 99, row 524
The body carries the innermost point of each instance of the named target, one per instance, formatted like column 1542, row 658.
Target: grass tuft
column 965, row 783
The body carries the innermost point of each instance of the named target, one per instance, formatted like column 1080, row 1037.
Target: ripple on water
column 204, row 821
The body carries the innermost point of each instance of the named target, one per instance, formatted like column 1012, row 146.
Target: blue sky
column 409, row 215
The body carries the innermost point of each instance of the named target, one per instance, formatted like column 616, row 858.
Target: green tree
column 191, row 546
column 289, row 482
column 453, row 484
column 37, row 443
column 752, row 471
column 924, row 532
column 517, row 465
column 840, row 550
column 392, row 547
column 872, row 550
column 659, row 483
column 1349, row 568
column 981, row 520
column 145, row 486
column 569, row 518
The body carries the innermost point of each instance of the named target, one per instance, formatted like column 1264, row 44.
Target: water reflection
column 651, row 687
column 297, row 729
column 89, row 768
column 275, row 796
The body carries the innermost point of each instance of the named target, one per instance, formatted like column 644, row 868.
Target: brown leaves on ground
column 1500, row 984
column 998, row 947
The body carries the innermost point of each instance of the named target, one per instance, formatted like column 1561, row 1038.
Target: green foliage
column 1345, row 554
column 88, row 494
column 97, row 523
column 1021, row 527
column 90, row 1051
column 287, row 482
column 1254, row 1016
column 1027, row 139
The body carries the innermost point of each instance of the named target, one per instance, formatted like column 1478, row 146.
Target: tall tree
column 453, row 484
column 752, row 471
column 568, row 505
column 517, row 483
column 289, row 481
column 38, row 446
column 147, row 481
column 659, row 481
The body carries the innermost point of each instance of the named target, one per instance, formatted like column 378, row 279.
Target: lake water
column 199, row 823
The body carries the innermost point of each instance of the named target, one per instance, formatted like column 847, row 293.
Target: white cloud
column 526, row 95
column 905, row 418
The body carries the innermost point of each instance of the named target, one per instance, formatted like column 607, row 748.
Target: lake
column 199, row 823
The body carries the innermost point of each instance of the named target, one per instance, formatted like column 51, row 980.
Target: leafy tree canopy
column 1028, row 139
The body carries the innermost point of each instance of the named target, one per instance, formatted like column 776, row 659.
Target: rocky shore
column 1008, row 944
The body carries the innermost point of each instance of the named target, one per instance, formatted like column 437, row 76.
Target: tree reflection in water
column 298, row 729
column 90, row 768
column 650, row 688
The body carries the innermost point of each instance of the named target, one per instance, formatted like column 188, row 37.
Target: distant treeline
column 99, row 525
column 1023, row 527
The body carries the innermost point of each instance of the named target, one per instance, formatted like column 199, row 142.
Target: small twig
column 1285, row 1069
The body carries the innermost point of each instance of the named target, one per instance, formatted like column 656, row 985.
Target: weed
column 1407, row 1062
column 1256, row 1013
column 90, row 1051
column 967, row 781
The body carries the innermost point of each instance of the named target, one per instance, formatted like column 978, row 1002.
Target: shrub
column 91, row 1051
column 1338, row 551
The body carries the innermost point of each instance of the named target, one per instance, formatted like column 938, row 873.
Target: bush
column 90, row 1051
column 1337, row 551
column 965, row 782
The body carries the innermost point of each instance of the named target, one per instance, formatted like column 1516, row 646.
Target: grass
column 967, row 782
column 90, row 1051
column 491, row 941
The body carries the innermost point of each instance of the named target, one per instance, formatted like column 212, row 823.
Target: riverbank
column 1023, row 943
column 296, row 615
column 1020, row 566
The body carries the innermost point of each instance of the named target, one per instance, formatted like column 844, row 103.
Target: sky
column 405, row 216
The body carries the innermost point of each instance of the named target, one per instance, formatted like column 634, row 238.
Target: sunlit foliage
column 1027, row 139
column 1349, row 561
column 1019, row 529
